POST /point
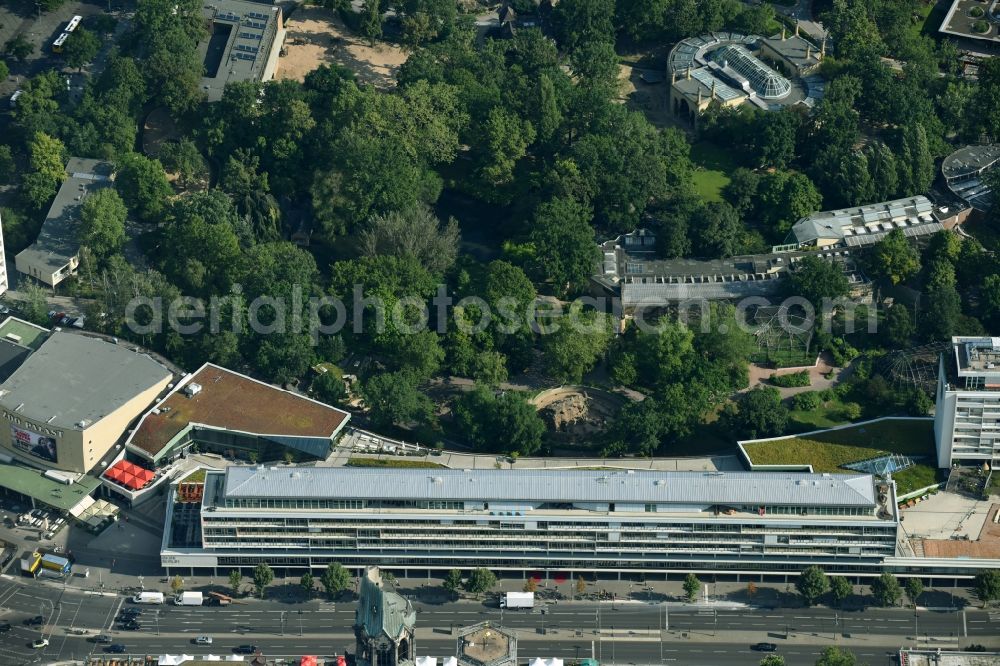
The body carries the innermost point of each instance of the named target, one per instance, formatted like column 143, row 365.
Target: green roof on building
column 30, row 335
column 35, row 484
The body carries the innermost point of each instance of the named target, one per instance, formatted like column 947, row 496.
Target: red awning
column 130, row 475
column 308, row 660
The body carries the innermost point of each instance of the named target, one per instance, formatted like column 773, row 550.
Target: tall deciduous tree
column 414, row 232
column 760, row 413
column 102, row 223
column 81, row 47
column 816, row 279
column 480, row 580
column 143, row 185
column 453, row 582
column 564, row 242
column 840, row 588
column 812, row 584
column 576, row 345
column 834, row 656
column 263, row 575
column 335, row 579
column 886, row 590
column 691, row 587
column 987, row 586
column 894, row 258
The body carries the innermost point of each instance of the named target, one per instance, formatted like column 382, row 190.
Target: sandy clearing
column 317, row 36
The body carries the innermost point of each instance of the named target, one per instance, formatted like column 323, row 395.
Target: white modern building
column 520, row 521
column 967, row 416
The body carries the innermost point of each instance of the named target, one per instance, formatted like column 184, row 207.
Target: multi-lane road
column 624, row 633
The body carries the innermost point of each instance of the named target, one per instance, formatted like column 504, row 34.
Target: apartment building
column 967, row 416
column 520, row 521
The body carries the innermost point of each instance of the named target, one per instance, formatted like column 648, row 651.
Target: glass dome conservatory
column 764, row 80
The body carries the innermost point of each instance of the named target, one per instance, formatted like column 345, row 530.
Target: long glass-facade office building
column 522, row 521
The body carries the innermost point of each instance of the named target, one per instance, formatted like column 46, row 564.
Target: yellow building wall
column 76, row 450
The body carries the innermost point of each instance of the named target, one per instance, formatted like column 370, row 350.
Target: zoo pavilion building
column 515, row 522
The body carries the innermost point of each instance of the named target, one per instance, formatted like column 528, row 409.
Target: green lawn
column 393, row 462
column 712, row 166
column 827, row 416
column 197, row 476
column 828, row 451
column 931, row 17
column 915, row 478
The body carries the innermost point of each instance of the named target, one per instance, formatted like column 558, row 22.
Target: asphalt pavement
column 626, row 632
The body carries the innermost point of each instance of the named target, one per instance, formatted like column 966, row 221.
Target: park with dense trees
column 493, row 167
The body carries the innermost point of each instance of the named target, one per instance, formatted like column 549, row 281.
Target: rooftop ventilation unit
column 192, row 390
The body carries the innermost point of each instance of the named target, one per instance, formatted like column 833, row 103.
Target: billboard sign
column 40, row 446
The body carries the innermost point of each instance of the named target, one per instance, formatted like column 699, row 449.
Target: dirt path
column 317, row 36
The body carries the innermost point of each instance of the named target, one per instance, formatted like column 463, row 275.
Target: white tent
column 537, row 661
column 451, row 661
column 427, row 661
column 173, row 659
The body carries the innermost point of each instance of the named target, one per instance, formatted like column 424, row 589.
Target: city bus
column 57, row 46
column 73, row 22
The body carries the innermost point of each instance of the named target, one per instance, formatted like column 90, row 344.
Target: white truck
column 148, row 598
column 517, row 600
column 189, row 599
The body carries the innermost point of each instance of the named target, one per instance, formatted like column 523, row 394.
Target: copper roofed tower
column 383, row 624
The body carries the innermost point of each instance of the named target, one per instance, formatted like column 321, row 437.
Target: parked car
column 103, row 639
column 4, row 310
column 245, row 649
column 117, row 648
column 5, row 627
column 131, row 625
column 13, row 98
column 203, row 640
column 764, row 647
column 40, row 643
column 34, row 621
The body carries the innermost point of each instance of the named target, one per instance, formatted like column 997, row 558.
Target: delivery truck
column 189, row 599
column 148, row 598
column 517, row 600
column 55, row 563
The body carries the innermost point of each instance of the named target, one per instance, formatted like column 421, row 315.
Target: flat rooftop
column 75, row 378
column 977, row 357
column 959, row 21
column 30, row 335
column 57, row 244
column 685, row 488
column 970, row 160
column 33, row 483
column 797, row 50
column 228, row 400
column 240, row 44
